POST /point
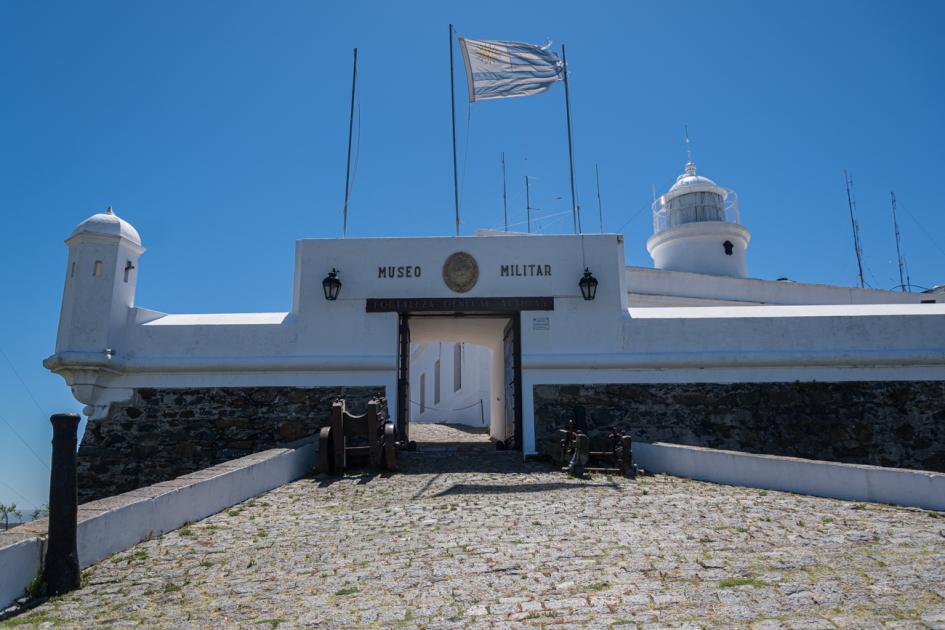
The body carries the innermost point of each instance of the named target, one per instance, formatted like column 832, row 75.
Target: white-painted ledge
column 275, row 363
column 115, row 523
column 849, row 482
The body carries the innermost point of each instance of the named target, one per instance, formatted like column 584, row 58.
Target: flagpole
column 453, row 115
column 505, row 205
column 528, row 206
column 567, row 107
column 354, row 82
column 600, row 204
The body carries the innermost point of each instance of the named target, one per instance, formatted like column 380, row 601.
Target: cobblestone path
column 432, row 437
column 484, row 541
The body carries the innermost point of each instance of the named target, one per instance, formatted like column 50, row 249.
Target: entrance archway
column 464, row 369
column 507, row 308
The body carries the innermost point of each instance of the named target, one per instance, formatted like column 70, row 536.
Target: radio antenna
column 528, row 206
column 857, row 247
column 903, row 280
column 600, row 204
column 505, row 207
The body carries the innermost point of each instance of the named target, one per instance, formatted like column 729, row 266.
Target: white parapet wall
column 850, row 482
column 115, row 523
column 21, row 559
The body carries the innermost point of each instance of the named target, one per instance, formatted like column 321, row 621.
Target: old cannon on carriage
column 573, row 450
column 368, row 440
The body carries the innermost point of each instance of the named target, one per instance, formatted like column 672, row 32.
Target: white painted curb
column 113, row 524
column 850, row 482
column 20, row 560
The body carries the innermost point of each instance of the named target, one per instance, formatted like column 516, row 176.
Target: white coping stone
column 850, row 482
column 113, row 524
column 219, row 319
column 791, row 310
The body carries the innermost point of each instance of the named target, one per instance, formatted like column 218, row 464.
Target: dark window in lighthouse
column 728, row 247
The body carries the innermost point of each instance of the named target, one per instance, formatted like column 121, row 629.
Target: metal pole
column 902, row 279
column 567, row 107
column 600, row 204
column 354, row 82
column 528, row 206
column 856, row 228
column 505, row 207
column 62, row 554
column 453, row 115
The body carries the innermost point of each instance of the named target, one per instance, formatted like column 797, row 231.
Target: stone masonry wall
column 899, row 424
column 160, row 434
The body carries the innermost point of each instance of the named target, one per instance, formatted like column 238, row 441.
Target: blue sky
column 218, row 129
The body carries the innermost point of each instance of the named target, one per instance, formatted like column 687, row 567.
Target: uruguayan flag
column 497, row 69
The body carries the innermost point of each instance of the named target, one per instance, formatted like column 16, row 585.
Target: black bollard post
column 62, row 554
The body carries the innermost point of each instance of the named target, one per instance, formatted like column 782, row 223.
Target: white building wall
column 469, row 403
column 659, row 288
column 322, row 342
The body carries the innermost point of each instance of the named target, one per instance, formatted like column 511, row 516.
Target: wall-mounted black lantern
column 588, row 285
column 332, row 285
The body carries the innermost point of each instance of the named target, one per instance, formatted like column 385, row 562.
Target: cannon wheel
column 390, row 447
column 326, row 464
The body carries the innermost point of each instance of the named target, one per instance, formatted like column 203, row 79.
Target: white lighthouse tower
column 101, row 274
column 696, row 228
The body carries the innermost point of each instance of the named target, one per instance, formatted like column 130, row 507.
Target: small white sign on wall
column 541, row 323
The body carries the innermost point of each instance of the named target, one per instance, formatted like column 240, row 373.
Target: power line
column 927, row 233
column 646, row 205
column 25, row 443
column 23, row 383
column 17, row 493
column 35, row 402
column 547, row 216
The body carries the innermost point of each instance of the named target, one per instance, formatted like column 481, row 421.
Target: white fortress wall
column 655, row 287
column 321, row 342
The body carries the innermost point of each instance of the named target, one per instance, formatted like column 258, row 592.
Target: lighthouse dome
column 690, row 181
column 696, row 228
column 107, row 224
column 692, row 199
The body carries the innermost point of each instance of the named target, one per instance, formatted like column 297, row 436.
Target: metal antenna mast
column 600, row 204
column 903, row 283
column 354, row 85
column 528, row 206
column 505, row 206
column 851, row 203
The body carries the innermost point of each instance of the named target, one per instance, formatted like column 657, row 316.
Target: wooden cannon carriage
column 368, row 440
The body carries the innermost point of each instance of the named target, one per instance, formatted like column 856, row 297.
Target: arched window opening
column 728, row 247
